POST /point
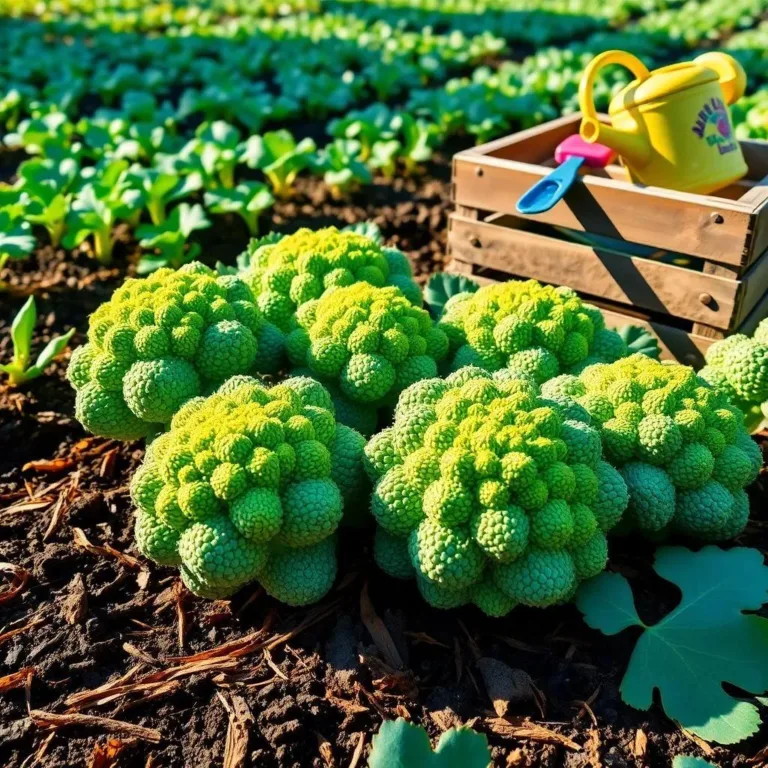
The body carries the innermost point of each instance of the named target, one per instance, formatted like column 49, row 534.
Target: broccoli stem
column 56, row 232
column 227, row 176
column 102, row 242
column 156, row 210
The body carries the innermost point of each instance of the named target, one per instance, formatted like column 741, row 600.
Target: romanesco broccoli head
column 679, row 444
column 369, row 342
column 738, row 366
column 299, row 268
column 537, row 328
column 244, row 486
column 489, row 493
column 162, row 340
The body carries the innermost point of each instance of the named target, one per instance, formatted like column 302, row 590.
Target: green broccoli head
column 369, row 343
column 165, row 339
column 542, row 330
column 679, row 444
column 490, row 494
column 738, row 367
column 287, row 273
column 242, row 487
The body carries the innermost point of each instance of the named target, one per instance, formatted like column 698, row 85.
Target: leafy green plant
column 19, row 370
column 705, row 641
column 280, row 158
column 159, row 189
column 16, row 239
column 400, row 744
column 170, row 238
column 218, row 144
column 688, row 761
column 441, row 286
column 343, row 171
column 638, row 339
column 419, row 139
column 248, row 200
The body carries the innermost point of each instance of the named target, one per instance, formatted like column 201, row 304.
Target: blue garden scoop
column 570, row 155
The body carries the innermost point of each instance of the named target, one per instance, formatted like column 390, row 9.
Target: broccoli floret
column 490, row 494
column 300, row 268
column 163, row 340
column 241, row 487
column 738, row 367
column 368, row 344
column 538, row 329
column 679, row 444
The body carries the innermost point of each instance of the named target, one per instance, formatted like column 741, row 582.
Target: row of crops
column 223, row 111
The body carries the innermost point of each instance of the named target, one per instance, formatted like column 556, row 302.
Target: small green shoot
column 343, row 171
column 19, row 370
column 249, row 200
column 280, row 158
column 169, row 239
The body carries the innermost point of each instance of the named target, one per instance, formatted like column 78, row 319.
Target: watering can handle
column 733, row 79
column 624, row 59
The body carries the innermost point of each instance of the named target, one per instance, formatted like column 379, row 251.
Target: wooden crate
column 721, row 238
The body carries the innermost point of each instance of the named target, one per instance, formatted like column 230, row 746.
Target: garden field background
column 137, row 134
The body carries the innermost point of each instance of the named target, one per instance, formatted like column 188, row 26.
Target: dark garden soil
column 121, row 667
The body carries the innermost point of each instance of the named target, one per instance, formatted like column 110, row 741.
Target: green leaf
column 442, row 286
column 688, row 761
column 16, row 238
column 706, row 641
column 400, row 744
column 368, row 229
column 53, row 348
column 638, row 339
column 21, row 332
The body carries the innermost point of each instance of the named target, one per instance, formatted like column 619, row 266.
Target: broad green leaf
column 706, row 641
column 638, row 339
column 400, row 744
column 21, row 332
column 442, row 286
column 49, row 352
column 16, row 238
column 369, row 229
column 688, row 761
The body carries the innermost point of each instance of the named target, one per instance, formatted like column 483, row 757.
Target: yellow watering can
column 671, row 126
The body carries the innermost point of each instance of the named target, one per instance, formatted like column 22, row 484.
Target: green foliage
column 280, row 157
column 169, row 239
column 19, row 369
column 342, row 167
column 705, row 641
column 242, row 487
column 681, row 446
column 441, row 286
column 248, row 200
column 688, row 761
column 489, row 494
column 638, row 339
column 400, row 744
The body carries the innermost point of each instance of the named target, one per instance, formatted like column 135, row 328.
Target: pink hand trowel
column 570, row 155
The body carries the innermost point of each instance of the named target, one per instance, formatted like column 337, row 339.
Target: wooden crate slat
column 754, row 285
column 645, row 283
column 710, row 228
column 675, row 343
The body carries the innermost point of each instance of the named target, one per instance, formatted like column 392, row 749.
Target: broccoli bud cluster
column 249, row 484
column 542, row 330
column 162, row 340
column 370, row 343
column 679, row 444
column 286, row 273
column 738, row 366
column 488, row 493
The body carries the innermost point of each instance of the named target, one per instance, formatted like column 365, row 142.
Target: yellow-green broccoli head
column 537, row 328
column 489, row 493
column 162, row 340
column 299, row 268
column 242, row 488
column 738, row 367
column 679, row 444
column 370, row 342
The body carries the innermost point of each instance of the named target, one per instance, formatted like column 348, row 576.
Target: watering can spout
column 632, row 145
